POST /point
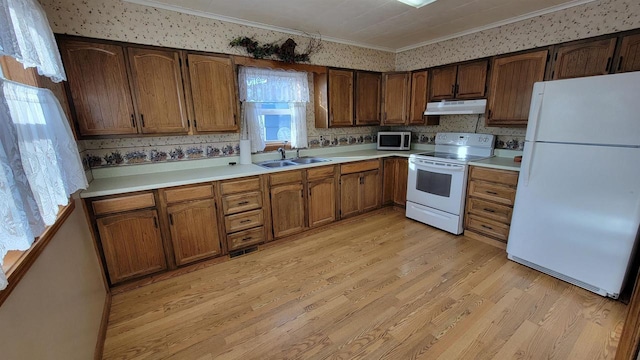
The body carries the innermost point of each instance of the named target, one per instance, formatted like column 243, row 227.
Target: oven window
column 390, row 140
column 434, row 183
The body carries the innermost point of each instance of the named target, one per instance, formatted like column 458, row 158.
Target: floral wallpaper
column 121, row 21
column 583, row 21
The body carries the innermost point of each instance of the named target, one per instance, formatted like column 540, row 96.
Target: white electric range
column 437, row 181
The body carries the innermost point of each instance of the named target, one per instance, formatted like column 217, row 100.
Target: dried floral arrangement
column 285, row 52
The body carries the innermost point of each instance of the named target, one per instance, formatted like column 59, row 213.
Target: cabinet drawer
column 493, row 175
column 488, row 227
column 320, row 173
column 497, row 212
column 236, row 186
column 245, row 238
column 188, row 193
column 232, row 204
column 285, row 177
column 495, row 192
column 360, row 166
column 242, row 221
column 124, row 203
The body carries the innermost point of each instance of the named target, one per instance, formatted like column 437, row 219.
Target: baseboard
column 102, row 332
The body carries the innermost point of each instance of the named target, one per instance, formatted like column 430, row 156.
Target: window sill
column 273, row 146
column 17, row 263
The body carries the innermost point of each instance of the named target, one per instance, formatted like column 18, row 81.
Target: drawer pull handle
column 486, row 227
column 489, row 210
column 492, row 192
column 245, row 221
column 243, row 203
column 247, row 238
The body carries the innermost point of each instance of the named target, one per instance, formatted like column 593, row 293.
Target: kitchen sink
column 309, row 160
column 284, row 163
column 277, row 163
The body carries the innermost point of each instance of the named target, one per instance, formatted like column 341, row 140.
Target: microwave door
column 391, row 141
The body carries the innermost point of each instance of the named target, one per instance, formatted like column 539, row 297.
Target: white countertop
column 502, row 163
column 148, row 177
column 126, row 179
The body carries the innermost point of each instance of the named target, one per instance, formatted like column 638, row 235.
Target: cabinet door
column 340, row 97
column 287, row 209
column 472, row 80
column 511, row 85
column 629, row 57
column 370, row 188
column 584, row 59
column 322, row 202
column 400, row 188
column 213, row 89
column 443, row 83
column 396, row 99
column 418, row 102
column 350, row 195
column 367, row 100
column 157, row 86
column 388, row 180
column 132, row 244
column 194, row 231
column 101, row 99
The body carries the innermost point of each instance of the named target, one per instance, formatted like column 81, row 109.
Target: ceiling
column 380, row 24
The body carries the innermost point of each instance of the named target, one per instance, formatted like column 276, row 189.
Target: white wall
column 56, row 309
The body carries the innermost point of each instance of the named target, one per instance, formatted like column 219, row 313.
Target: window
column 277, row 121
column 274, row 107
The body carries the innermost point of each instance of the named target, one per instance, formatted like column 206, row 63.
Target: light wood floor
column 379, row 286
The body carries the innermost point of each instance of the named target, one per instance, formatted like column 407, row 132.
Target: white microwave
column 394, row 140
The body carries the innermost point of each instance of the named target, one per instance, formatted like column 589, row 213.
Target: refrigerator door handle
column 527, row 162
column 534, row 116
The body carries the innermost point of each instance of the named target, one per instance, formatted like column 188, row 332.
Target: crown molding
column 258, row 25
column 497, row 24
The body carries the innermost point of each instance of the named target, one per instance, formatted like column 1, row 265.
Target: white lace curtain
column 40, row 166
column 25, row 35
column 258, row 85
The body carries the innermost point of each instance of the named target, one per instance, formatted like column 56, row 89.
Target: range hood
column 456, row 107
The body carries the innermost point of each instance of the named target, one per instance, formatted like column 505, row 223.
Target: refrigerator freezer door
column 578, row 212
column 592, row 110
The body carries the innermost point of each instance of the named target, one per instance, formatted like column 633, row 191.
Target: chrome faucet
column 281, row 151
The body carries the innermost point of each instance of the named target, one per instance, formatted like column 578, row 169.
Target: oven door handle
column 451, row 168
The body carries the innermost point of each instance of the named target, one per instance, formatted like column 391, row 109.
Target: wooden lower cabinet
column 244, row 218
column 490, row 197
column 287, row 209
column 360, row 191
column 194, row 231
column 394, row 188
column 132, row 244
column 322, row 202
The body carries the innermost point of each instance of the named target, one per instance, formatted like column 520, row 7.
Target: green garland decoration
column 284, row 52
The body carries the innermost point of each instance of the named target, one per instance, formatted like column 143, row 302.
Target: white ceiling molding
column 155, row 4
column 498, row 24
column 258, row 25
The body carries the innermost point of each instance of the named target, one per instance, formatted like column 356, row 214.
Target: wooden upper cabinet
column 157, row 84
column 418, row 102
column 367, row 98
column 472, row 80
column 340, row 97
column 396, row 98
column 132, row 244
column 583, row 59
column 464, row 81
column 629, row 54
column 213, row 90
column 99, row 87
column 511, row 86
column 443, row 83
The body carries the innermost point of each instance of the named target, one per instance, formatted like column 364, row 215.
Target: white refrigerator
column 577, row 210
